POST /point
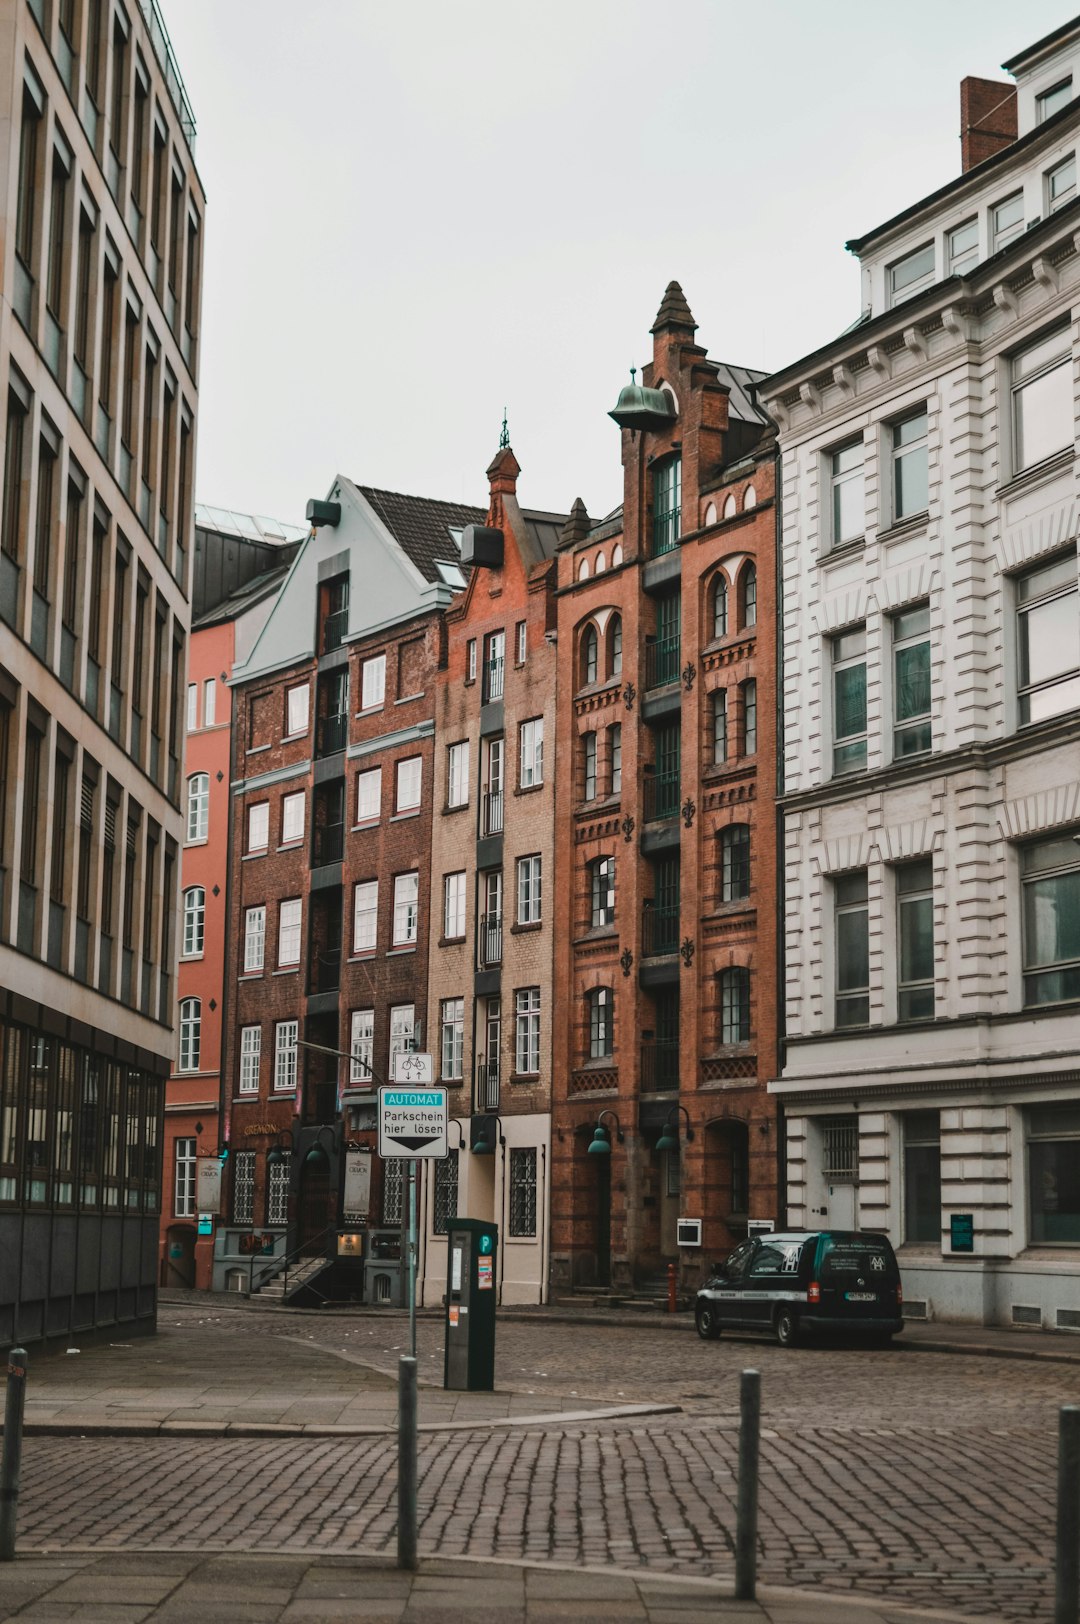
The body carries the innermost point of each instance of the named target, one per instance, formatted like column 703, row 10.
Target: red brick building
column 665, row 887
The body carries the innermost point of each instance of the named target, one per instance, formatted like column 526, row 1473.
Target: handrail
column 286, row 1259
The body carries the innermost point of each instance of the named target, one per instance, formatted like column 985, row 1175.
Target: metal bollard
column 672, row 1288
column 11, row 1462
column 1067, row 1566
column 406, row 1480
column 746, row 1505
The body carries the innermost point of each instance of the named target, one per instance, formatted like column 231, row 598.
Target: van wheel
column 708, row 1326
column 787, row 1328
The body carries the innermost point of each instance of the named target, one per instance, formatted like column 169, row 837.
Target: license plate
column 861, row 1296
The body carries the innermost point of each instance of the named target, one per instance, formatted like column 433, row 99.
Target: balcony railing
column 491, row 940
column 493, row 679
column 487, row 1086
column 325, row 970
column 659, row 930
column 659, row 1067
column 334, row 628
column 493, row 813
column 332, row 734
column 329, row 844
column 666, row 531
column 662, row 661
column 661, row 796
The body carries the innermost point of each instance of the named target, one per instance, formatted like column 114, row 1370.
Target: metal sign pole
column 412, row 1259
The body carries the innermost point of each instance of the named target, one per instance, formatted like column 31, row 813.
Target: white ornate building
column 931, row 710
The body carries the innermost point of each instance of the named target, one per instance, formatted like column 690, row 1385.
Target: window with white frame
column 962, row 248
column 1053, row 1150
column 852, row 934
column 1006, row 221
column 368, row 795
column 849, row 701
column 1060, row 184
column 409, row 773
column 1050, row 889
column 184, row 1179
column 911, row 681
column 365, row 916
column 1048, row 640
column 528, row 890
column 277, row 1194
column 285, row 1036
column 209, row 713
column 527, row 1030
column 602, row 892
column 523, row 1192
column 373, row 682
column 403, row 1035
column 362, row 1047
column 406, row 908
column 531, row 753
column 190, row 1034
column 457, row 774
column 292, row 818
column 198, row 806
column 915, row 940
column 446, row 1193
column 735, row 1004
column 615, row 738
column 243, row 1193
column 470, row 660
column 254, row 938
column 250, row 1057
column 910, row 464
column 289, row 921
column 452, row 1039
column 192, row 706
column 258, row 827
column 848, row 485
column 1049, row 102
column 522, row 641
column 296, row 710
column 454, row 905
column 194, row 921
column 911, row 274
column 1042, row 400
column 601, row 1012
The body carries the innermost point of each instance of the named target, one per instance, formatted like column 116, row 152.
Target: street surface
column 925, row 1477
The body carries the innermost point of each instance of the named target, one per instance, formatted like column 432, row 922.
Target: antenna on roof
column 504, row 437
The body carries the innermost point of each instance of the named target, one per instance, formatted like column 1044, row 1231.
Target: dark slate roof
column 243, row 598
column 422, row 526
column 741, row 402
column 545, row 529
column 674, row 310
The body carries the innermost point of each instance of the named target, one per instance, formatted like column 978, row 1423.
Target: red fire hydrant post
column 672, row 1280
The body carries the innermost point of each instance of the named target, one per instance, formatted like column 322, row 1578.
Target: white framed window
column 1006, row 221
column 852, row 936
column 373, row 682
column 602, row 892
column 184, row 1178
column 290, row 918
column 258, row 830
column 277, row 1194
column 250, row 1058
column 1042, row 400
column 848, row 483
column 457, row 774
column 915, row 940
column 452, row 1039
column 1048, row 640
column 911, row 681
column 243, row 1192
column 403, row 1035
column 409, row 777
column 296, row 710
column 393, row 1192
column 209, row 708
column 194, row 921
column 368, row 795
column 600, row 1007
column 527, row 1030
column 365, row 916
column 911, row 274
column 531, row 753
column 362, row 1047
column 522, row 634
column 523, row 1192
column 1049, row 102
column 910, row 464
column 254, row 938
column 528, row 890
column 406, row 908
column 192, row 708
column 849, row 701
column 292, row 818
column 285, row 1036
column 454, row 905
column 198, row 806
column 962, row 248
column 1060, row 184
column 1050, row 895
column 735, row 1004
column 190, row 1034
column 470, row 660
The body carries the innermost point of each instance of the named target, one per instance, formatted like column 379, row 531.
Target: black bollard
column 1067, row 1576
column 11, row 1461
column 746, row 1506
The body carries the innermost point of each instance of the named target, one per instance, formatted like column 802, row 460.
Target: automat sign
column 413, row 1122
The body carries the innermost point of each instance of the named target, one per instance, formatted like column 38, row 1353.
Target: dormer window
column 911, row 274
column 1053, row 100
column 450, row 574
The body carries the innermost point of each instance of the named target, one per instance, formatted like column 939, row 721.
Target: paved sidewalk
column 186, row 1588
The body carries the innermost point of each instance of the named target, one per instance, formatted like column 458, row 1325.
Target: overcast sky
column 419, row 212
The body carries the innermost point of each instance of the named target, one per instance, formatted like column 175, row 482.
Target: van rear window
column 840, row 1258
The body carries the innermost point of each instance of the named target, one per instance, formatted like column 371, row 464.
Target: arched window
column 730, row 508
column 601, row 1007
column 615, row 645
column 748, row 596
column 720, row 605
column 601, row 564
column 735, row 862
column 750, row 499
column 749, row 718
column 735, row 1004
column 194, row 919
column 616, row 556
column 583, row 570
column 190, row 1034
column 198, row 806
column 590, row 646
column 710, row 514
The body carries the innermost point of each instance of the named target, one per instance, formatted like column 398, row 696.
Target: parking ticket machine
column 472, row 1249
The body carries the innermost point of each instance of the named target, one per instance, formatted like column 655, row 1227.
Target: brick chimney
column 987, row 119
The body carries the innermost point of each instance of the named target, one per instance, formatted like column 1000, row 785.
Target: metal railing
column 329, row 844
column 487, row 1086
column 665, row 536
column 661, row 796
column 280, row 1265
column 493, row 813
column 332, row 734
column 491, row 939
column 662, row 661
column 325, row 970
column 334, row 628
column 659, row 1067
column 493, row 679
column 659, row 930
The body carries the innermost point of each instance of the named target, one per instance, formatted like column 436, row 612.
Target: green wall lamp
column 601, row 1139
column 669, row 1137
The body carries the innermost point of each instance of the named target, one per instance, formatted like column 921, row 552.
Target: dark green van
column 805, row 1281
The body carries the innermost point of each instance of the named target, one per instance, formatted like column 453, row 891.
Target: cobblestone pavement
column 926, row 1476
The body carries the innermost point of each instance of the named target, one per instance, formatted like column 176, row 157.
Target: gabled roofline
column 1040, row 46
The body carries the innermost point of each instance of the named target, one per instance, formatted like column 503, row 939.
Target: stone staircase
column 301, row 1273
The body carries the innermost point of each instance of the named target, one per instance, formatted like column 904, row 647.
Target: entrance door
column 314, row 1204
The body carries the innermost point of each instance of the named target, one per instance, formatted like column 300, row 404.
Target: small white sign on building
column 208, row 1184
column 416, row 1069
